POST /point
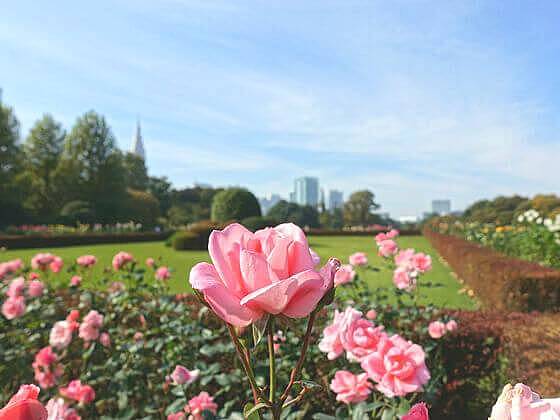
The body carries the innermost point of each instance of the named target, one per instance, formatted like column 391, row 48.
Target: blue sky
column 415, row 100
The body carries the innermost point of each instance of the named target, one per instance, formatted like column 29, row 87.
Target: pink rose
column 46, row 369
column 60, row 336
column 520, row 402
column 398, row 366
column 380, row 237
column 360, row 337
column 176, row 416
column 24, row 405
column 45, row 357
column 331, row 343
column 197, row 405
column 403, row 280
column 451, row 325
column 404, row 258
column 73, row 316
column 163, row 273
column 350, row 388
column 105, row 340
column 58, row 409
column 371, row 314
column 75, row 390
column 10, row 267
column 35, row 288
column 150, row 262
column 86, row 260
column 269, row 271
column 345, row 274
column 33, row 276
column 56, row 264
column 16, row 287
column 89, row 328
column 393, row 233
column 13, row 307
column 138, row 336
column 358, row 259
column 181, row 375
column 75, row 281
column 41, row 261
column 436, row 329
column 121, row 259
column 94, row 318
column 387, row 248
column 422, row 262
column 418, row 411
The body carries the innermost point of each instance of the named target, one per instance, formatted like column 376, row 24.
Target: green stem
column 245, row 362
column 272, row 360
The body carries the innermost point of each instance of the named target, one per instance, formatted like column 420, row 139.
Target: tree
column 160, row 188
column 10, row 168
column 91, row 168
column 359, row 208
column 302, row 216
column 141, row 207
column 500, row 210
column 136, row 173
column 234, row 204
column 43, row 148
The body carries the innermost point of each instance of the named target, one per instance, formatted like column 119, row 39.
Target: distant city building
column 306, row 191
column 292, row 197
column 336, row 199
column 268, row 202
column 441, row 207
column 137, row 143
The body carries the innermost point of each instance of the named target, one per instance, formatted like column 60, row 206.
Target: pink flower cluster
column 91, row 323
column 14, row 306
column 410, row 265
column 397, row 366
column 386, row 245
column 44, row 261
column 358, row 259
column 62, row 331
column 83, row 394
column 10, row 267
column 163, row 273
column 196, row 407
column 345, row 274
column 59, row 409
column 121, row 259
column 438, row 329
column 86, row 261
column 46, row 368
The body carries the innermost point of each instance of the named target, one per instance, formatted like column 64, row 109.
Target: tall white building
column 137, row 143
column 306, row 191
column 441, row 207
column 336, row 200
column 268, row 202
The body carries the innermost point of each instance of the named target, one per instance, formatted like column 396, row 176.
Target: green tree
column 284, row 211
column 160, row 188
column 234, row 204
column 91, row 168
column 141, row 207
column 359, row 208
column 136, row 173
column 43, row 148
column 501, row 209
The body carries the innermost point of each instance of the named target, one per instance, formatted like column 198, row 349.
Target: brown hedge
column 48, row 241
column 499, row 281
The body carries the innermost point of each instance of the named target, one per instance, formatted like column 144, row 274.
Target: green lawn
column 326, row 246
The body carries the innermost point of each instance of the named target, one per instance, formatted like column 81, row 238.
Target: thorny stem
column 245, row 362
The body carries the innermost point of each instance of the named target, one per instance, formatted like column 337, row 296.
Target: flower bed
column 500, row 282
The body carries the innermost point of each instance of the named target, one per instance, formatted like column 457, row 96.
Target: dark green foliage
column 305, row 216
column 234, row 204
column 182, row 241
column 359, row 208
column 77, row 211
column 141, row 207
column 258, row 222
column 135, row 171
column 500, row 210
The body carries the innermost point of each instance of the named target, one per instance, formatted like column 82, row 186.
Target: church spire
column 137, row 143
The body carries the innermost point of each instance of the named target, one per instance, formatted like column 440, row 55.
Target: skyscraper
column 306, row 191
column 137, row 143
column 335, row 199
column 441, row 207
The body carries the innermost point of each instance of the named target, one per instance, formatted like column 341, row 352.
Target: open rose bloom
column 520, row 402
column 270, row 271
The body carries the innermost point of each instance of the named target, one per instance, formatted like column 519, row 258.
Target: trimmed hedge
column 500, row 282
column 182, row 241
column 340, row 232
column 49, row 241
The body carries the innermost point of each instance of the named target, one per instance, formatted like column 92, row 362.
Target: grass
column 326, row 246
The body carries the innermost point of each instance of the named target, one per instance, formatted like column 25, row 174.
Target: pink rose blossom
column 105, row 339
column 350, row 388
column 75, row 390
column 45, row 357
column 46, row 369
column 13, row 307
column 520, row 402
column 94, row 318
column 10, row 267
column 380, row 237
column 56, row 264
column 331, row 343
column 393, row 233
column 89, row 328
column 121, row 259
column 150, row 262
column 371, row 314
column 33, row 276
column 197, row 405
column 176, row 416
column 398, row 366
column 24, row 405
column 269, row 271
column 75, row 281
column 35, row 288
column 41, row 261
column 451, row 325
column 16, row 287
column 86, row 260
column 388, row 248
column 73, row 316
column 404, row 258
column 418, row 411
column 163, row 273
column 358, row 259
column 422, row 262
column 181, row 375
column 138, row 336
column 60, row 336
column 403, row 280
column 436, row 329
column 345, row 274
column 58, row 409
column 360, row 337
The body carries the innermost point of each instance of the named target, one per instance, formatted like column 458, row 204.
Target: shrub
column 234, row 204
column 181, row 241
column 255, row 223
column 142, row 207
